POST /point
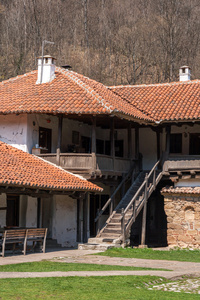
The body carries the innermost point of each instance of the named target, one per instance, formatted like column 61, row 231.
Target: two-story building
column 114, row 136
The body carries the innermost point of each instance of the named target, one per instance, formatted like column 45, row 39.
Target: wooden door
column 45, row 139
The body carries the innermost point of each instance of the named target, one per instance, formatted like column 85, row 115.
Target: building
column 114, row 136
column 36, row 193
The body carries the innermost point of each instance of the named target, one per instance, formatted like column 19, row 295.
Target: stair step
column 108, row 235
column 100, row 247
column 112, row 231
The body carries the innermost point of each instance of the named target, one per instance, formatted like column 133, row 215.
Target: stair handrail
column 141, row 187
column 111, row 197
column 148, row 189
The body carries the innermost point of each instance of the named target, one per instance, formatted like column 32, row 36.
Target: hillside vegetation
column 112, row 41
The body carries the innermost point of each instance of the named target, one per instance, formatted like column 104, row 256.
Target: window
column 176, row 143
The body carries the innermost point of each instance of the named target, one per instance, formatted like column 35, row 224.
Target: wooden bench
column 23, row 236
column 14, row 236
column 36, row 235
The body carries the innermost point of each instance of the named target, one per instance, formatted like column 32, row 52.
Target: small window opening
column 46, row 60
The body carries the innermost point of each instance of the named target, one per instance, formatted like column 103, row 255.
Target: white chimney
column 46, row 70
column 184, row 73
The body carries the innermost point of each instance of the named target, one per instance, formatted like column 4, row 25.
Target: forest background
column 112, row 41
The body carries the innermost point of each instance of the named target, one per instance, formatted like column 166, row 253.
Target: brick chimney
column 46, row 70
column 184, row 73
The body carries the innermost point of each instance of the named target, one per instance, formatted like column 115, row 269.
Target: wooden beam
column 93, row 150
column 168, row 131
column 186, row 176
column 112, row 141
column 158, row 144
column 60, row 121
column 129, row 141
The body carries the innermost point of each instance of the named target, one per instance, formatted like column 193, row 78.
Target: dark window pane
column 176, row 143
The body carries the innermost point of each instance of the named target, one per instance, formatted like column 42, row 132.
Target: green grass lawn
column 91, row 288
column 50, row 266
column 179, row 254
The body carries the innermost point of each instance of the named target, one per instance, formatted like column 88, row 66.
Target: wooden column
column 144, row 216
column 112, row 203
column 168, row 131
column 60, row 120
column 93, row 150
column 158, row 143
column 112, row 141
column 85, row 219
column 129, row 141
column 137, row 148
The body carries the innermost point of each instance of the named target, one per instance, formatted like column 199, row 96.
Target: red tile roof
column 68, row 93
column 19, row 168
column 181, row 190
column 164, row 102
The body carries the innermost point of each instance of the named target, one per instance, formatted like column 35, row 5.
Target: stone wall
column 183, row 220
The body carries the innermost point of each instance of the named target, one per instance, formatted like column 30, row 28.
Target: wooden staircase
column 117, row 227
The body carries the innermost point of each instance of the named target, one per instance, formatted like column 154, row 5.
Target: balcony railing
column 89, row 163
column 182, row 163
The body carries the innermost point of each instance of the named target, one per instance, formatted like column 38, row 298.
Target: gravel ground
column 190, row 286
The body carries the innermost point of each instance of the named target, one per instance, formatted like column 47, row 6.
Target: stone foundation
column 183, row 220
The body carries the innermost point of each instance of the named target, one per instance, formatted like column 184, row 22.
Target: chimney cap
column 184, row 67
column 46, row 56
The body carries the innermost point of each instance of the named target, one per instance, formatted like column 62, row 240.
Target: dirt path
column 80, row 256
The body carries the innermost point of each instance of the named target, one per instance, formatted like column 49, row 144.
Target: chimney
column 46, row 70
column 184, row 73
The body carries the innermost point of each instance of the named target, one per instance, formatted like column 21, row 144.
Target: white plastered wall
column 41, row 120
column 64, row 223
column 13, row 130
column 31, row 212
column 148, row 148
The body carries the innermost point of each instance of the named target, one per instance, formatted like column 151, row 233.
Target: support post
column 60, row 120
column 129, row 141
column 85, row 218
column 112, row 189
column 168, row 131
column 98, row 221
column 123, row 226
column 158, row 143
column 143, row 235
column 137, row 148
column 112, row 141
column 94, row 144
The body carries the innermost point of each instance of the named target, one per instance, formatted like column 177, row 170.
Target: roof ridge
column 78, row 81
column 17, row 77
column 156, row 84
column 72, row 74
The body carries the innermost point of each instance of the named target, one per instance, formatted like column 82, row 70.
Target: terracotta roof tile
column 164, row 102
column 19, row 168
column 180, row 190
column 68, row 93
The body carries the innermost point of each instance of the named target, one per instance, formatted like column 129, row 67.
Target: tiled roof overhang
column 168, row 102
column 21, row 169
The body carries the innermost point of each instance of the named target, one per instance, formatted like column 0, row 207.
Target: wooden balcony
column 182, row 163
column 90, row 165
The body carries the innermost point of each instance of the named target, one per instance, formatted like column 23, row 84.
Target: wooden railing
column 110, row 200
column 181, row 162
column 85, row 162
column 146, row 189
